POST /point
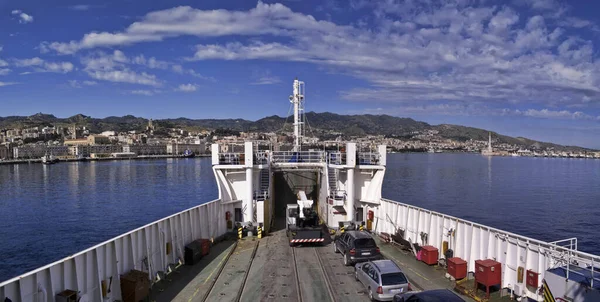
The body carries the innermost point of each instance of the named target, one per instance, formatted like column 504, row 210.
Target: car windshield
column 393, row 279
column 364, row 242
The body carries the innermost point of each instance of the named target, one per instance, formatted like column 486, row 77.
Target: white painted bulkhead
column 471, row 241
column 143, row 249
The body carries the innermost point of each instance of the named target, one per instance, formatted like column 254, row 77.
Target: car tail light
column 377, row 250
column 352, row 251
column 409, row 288
column 380, row 290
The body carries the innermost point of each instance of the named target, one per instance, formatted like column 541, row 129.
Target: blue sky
column 522, row 68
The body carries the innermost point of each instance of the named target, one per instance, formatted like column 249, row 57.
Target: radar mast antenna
column 297, row 98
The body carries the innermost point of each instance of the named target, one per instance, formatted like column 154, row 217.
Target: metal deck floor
column 265, row 270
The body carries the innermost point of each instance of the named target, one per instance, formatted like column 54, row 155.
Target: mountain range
column 324, row 125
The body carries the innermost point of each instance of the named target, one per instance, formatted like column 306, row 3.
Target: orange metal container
column 429, row 255
column 457, row 268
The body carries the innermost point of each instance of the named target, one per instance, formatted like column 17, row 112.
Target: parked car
column 382, row 279
column 356, row 246
column 434, row 295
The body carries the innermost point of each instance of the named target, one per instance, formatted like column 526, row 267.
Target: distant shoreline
column 39, row 161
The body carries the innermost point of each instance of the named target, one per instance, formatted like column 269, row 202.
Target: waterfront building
column 39, row 150
column 87, row 150
column 5, row 152
column 179, row 149
column 157, row 149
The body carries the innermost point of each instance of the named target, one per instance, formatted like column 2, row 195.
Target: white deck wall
column 472, row 241
column 85, row 270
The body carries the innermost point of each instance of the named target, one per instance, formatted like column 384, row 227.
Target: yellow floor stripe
column 208, row 278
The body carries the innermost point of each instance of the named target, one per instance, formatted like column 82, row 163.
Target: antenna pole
column 297, row 98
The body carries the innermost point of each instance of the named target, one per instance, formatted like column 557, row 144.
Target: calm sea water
column 49, row 212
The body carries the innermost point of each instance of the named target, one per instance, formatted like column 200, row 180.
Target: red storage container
column 457, row 268
column 429, row 254
column 532, row 278
column 488, row 273
column 205, row 243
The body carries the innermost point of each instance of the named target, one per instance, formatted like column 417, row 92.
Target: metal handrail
column 298, row 157
column 336, row 158
column 368, row 158
column 231, row 158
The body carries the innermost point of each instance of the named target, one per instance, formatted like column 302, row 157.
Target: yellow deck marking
column 207, row 278
column 401, row 263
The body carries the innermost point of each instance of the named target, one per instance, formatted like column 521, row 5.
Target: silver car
column 382, row 279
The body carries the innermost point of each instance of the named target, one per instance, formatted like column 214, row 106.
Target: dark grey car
column 434, row 295
column 356, row 246
column 382, row 279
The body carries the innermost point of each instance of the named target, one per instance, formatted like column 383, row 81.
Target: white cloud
column 187, row 88
column 7, row 83
column 3, row 63
column 275, row 19
column 267, row 81
column 23, row 17
column 415, row 51
column 143, row 92
column 78, row 84
column 29, row 62
column 61, row 67
column 80, row 7
column 177, row 68
column 40, row 65
column 462, row 109
column 125, row 76
column 114, row 68
column 4, row 71
column 1, row 48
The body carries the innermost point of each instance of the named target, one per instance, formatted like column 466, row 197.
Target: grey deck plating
column 231, row 281
column 272, row 276
column 344, row 285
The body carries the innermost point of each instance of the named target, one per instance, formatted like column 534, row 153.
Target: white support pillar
column 350, row 195
column 249, row 200
column 214, row 148
column 248, row 203
column 382, row 149
column 350, row 164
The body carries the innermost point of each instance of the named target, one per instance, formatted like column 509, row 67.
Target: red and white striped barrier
column 307, row 240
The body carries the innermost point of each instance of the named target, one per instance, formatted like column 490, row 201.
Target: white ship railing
column 337, row 198
column 144, row 249
column 336, row 158
column 261, row 158
column 368, row 158
column 231, row 159
column 473, row 241
column 298, row 157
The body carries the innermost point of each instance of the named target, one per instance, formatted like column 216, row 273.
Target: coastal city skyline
column 523, row 68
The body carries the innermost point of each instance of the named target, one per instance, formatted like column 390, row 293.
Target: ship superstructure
column 256, row 186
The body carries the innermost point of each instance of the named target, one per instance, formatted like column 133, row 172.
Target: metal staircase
column 263, row 192
column 336, row 197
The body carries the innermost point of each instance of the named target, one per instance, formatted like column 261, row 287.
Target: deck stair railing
column 261, row 158
column 231, row 159
column 337, row 197
column 368, row 158
column 298, row 157
column 336, row 158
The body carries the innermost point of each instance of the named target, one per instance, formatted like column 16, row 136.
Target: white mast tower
column 297, row 98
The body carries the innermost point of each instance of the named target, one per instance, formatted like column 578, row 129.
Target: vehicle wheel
column 346, row 260
column 335, row 249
